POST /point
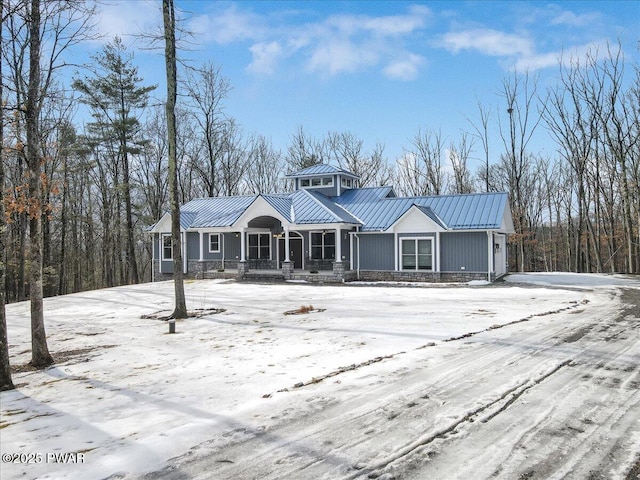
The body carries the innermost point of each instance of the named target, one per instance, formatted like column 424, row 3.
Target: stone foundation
column 431, row 277
column 338, row 273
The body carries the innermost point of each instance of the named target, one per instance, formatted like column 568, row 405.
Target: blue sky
column 380, row 70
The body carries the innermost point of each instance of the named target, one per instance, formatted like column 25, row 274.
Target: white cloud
column 537, row 61
column 227, row 26
column 487, row 41
column 127, row 19
column 406, row 69
column 389, row 25
column 569, row 18
column 265, row 57
column 336, row 44
column 552, row 59
column 341, row 55
column 516, row 51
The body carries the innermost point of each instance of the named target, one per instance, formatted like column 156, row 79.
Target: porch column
column 286, row 244
column 243, row 267
column 160, row 251
column 201, row 245
column 243, row 256
column 184, row 252
column 338, row 245
column 437, row 251
column 490, row 254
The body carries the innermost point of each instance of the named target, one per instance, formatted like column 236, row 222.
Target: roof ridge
column 321, row 204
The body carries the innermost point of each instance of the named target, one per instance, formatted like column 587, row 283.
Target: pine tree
column 115, row 95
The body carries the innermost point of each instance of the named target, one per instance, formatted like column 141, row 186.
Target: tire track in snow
column 506, row 399
column 298, row 448
column 365, row 363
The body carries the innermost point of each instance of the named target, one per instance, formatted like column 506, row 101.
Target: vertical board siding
column 231, row 246
column 464, row 249
column 376, row 252
column 193, row 246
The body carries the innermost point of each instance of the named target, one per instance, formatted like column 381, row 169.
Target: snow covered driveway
column 517, row 380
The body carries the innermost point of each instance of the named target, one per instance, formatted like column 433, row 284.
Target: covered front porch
column 267, row 247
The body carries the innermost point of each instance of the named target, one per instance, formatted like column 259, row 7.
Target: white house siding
column 416, row 221
column 500, row 254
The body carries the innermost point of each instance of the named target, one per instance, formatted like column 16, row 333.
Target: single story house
column 327, row 230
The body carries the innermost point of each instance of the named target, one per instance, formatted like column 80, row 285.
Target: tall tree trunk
column 62, row 268
column 170, row 59
column 132, row 264
column 40, row 356
column 5, row 369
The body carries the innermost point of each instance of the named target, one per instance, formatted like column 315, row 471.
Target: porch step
column 275, row 275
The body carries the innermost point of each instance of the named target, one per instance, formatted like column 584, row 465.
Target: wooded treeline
column 103, row 159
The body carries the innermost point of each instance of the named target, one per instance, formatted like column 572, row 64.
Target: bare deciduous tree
column 265, row 166
column 459, row 155
column 169, row 20
column 205, row 90
column 5, row 369
column 519, row 92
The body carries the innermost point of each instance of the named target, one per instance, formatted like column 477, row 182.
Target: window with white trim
column 260, row 246
column 346, row 182
column 167, row 250
column 214, row 242
column 316, row 182
column 416, row 254
column 323, row 245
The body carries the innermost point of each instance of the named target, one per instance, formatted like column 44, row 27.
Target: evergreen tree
column 115, row 95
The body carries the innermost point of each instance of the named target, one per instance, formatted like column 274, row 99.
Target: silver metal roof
column 320, row 169
column 215, row 211
column 282, row 204
column 373, row 209
column 457, row 212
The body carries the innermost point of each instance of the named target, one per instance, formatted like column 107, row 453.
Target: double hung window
column 214, row 242
column 167, row 250
column 417, row 254
column 323, row 245
column 260, row 246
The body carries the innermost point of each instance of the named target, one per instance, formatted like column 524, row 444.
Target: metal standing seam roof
column 340, row 214
column 371, row 208
column 216, row 211
column 310, row 207
column 320, row 169
column 469, row 211
column 457, row 212
column 187, row 218
column 282, row 204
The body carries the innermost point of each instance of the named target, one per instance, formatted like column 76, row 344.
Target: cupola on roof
column 320, row 169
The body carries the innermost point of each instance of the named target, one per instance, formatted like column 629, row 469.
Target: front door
column 295, row 253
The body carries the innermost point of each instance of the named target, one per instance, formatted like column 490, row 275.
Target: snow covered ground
column 536, row 377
